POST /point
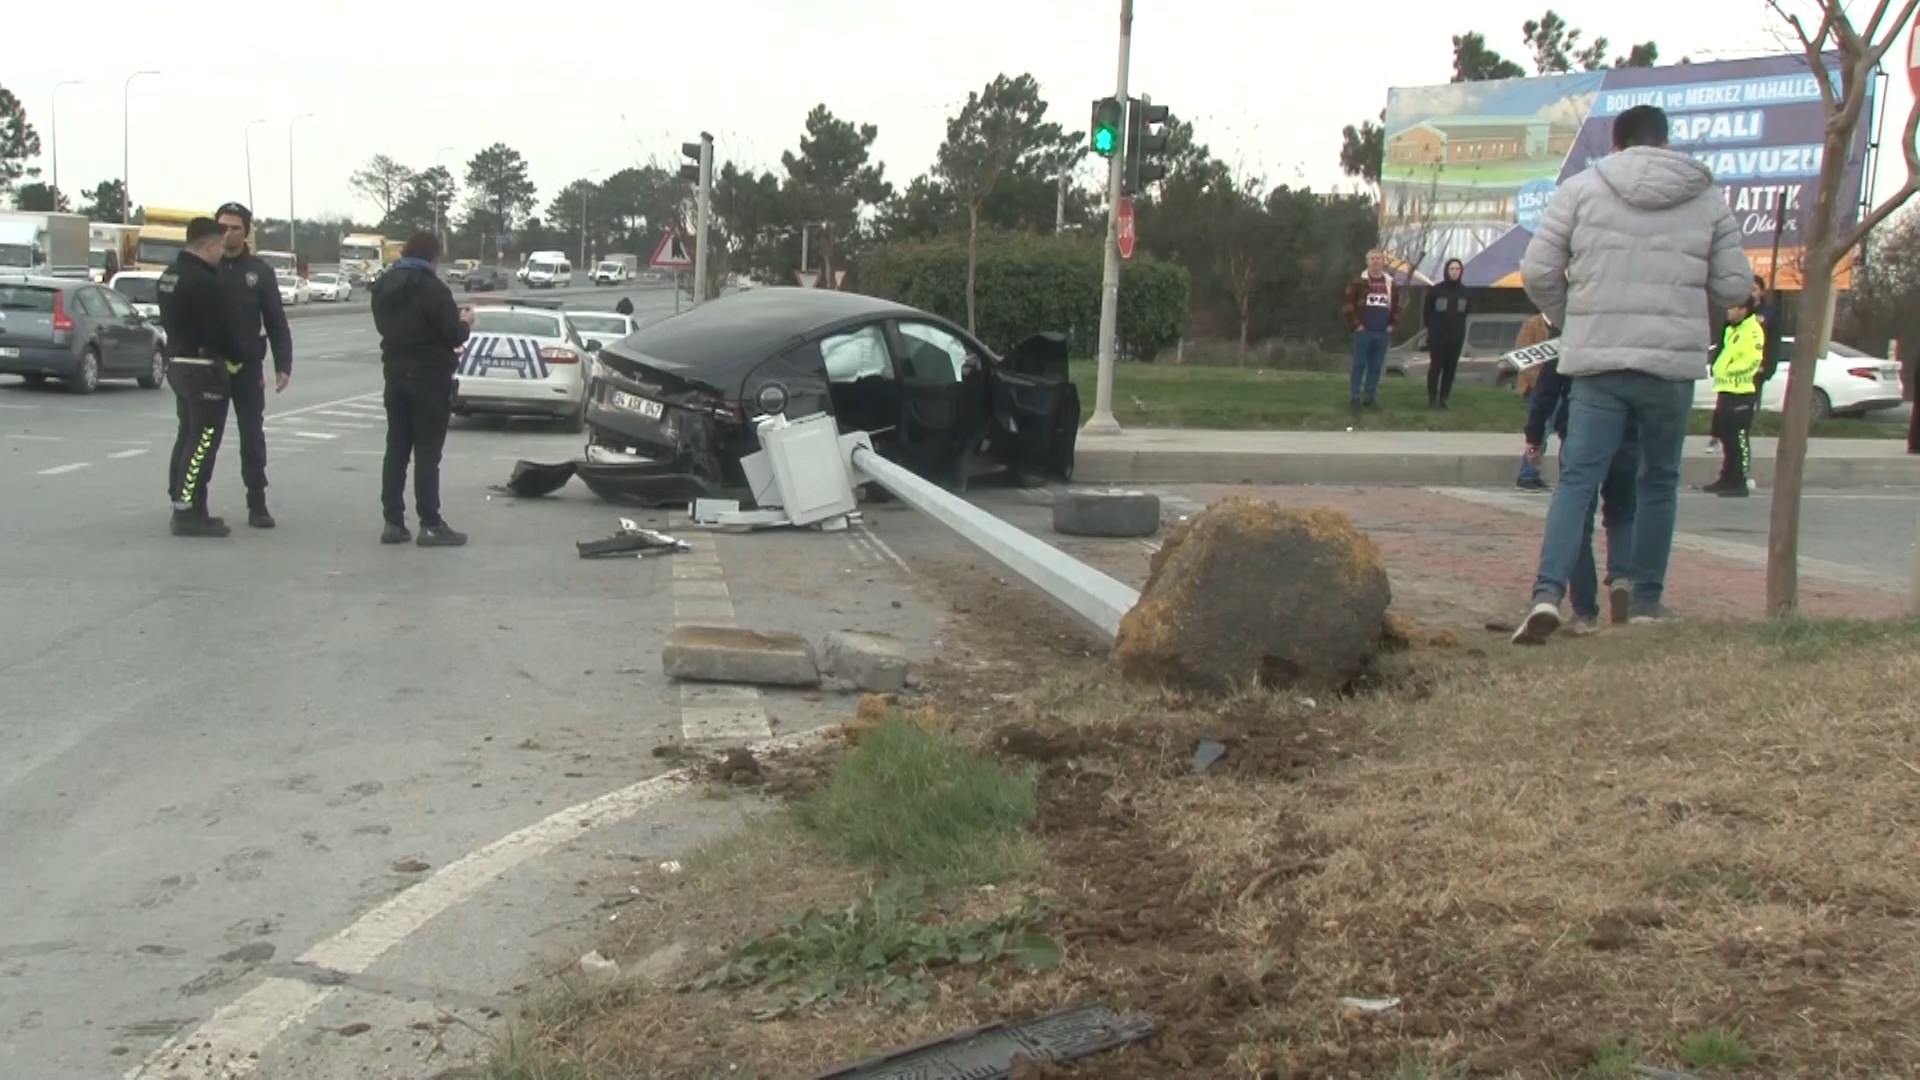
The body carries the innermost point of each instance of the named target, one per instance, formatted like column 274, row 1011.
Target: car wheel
column 156, row 371
column 1822, row 405
column 87, row 379
column 576, row 422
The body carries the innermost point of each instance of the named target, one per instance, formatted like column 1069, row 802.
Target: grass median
column 1243, row 399
column 1686, row 847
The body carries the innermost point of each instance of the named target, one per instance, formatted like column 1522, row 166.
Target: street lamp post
column 293, row 227
column 248, row 136
column 126, row 147
column 439, row 196
column 53, row 127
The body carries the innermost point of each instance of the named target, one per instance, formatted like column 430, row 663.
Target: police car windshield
column 140, row 290
column 516, row 322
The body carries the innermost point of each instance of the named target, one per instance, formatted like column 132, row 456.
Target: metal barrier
column 1094, row 600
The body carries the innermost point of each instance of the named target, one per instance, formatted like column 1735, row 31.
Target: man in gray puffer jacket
column 1631, row 260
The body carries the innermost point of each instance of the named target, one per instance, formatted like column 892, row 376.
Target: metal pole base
column 1101, row 424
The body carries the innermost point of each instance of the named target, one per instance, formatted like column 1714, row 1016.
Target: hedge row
column 1027, row 284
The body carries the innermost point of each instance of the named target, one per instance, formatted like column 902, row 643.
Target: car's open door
column 943, row 400
column 1035, row 408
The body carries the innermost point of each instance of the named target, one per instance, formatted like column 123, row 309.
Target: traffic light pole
column 702, row 206
column 1103, row 422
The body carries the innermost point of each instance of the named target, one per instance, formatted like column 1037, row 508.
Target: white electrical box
column 759, row 470
column 808, row 468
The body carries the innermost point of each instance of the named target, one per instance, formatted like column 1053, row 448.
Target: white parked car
column 142, row 289
column 293, row 289
column 1846, row 382
column 600, row 329
column 331, row 288
column 523, row 360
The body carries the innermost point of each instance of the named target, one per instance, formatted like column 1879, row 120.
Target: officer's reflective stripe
column 192, row 482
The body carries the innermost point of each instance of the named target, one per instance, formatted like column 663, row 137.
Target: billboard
column 1468, row 169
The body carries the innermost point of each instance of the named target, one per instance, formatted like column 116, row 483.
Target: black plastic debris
column 1208, row 754
column 987, row 1053
column 651, row 485
column 631, row 540
column 533, row 479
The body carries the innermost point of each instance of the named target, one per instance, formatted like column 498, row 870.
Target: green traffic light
column 1108, row 115
column 1103, row 141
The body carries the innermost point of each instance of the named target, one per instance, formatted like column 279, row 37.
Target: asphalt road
column 216, row 754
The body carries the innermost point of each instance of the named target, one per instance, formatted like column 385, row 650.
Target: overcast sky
column 585, row 87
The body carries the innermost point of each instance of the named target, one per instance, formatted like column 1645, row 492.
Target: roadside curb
column 229, row 1043
column 1094, row 464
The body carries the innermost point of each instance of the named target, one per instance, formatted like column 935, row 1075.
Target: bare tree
column 1408, row 223
column 1860, row 50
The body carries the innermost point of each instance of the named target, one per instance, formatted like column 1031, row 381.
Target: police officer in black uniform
column 259, row 321
column 193, row 308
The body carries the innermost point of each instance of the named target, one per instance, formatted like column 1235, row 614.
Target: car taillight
column 716, row 406
column 60, row 320
column 1865, row 373
column 560, row 356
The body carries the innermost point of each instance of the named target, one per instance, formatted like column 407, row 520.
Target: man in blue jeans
column 1630, row 260
column 1547, row 409
column 1371, row 308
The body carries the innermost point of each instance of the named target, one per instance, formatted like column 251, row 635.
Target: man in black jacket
column 421, row 331
column 259, row 321
column 193, row 310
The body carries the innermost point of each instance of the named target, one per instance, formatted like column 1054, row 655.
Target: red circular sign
column 1913, row 55
column 1124, row 214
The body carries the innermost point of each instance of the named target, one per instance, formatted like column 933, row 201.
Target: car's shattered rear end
column 646, row 412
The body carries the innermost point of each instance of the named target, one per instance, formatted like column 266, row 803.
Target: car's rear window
column 516, row 322
column 25, row 298
column 140, row 290
column 599, row 324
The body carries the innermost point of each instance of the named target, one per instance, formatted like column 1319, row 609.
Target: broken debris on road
column 632, row 539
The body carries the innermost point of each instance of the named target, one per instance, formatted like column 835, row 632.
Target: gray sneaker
column 1541, row 621
column 1652, row 614
column 1581, row 626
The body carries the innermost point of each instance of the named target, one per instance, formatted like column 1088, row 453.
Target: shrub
column 1027, row 284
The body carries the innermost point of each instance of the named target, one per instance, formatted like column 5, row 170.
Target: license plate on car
column 9, row 354
column 652, row 410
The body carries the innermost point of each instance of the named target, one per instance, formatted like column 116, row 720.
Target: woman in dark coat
column 1446, row 323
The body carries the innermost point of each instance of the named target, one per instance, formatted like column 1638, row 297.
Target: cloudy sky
column 586, row 87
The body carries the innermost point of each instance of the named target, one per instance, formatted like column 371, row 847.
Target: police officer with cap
column 194, row 310
column 259, row 320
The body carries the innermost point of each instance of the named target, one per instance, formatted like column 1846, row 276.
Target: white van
column 548, row 270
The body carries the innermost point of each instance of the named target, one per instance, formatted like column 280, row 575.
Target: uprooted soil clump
column 1249, row 593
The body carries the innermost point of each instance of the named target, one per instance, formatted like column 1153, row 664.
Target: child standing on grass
column 1535, row 331
column 1743, row 350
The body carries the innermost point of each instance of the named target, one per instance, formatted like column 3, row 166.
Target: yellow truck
column 163, row 236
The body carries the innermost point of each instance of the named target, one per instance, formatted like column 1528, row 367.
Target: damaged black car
column 671, row 408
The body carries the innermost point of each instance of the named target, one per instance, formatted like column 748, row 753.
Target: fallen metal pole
column 1097, row 602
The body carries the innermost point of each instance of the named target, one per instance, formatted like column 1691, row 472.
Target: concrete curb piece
column 876, row 663
column 729, row 655
column 1107, row 513
column 1374, row 458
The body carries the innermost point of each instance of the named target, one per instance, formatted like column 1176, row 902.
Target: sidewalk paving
column 1179, row 456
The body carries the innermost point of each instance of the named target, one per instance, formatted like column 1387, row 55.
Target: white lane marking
column 39, row 438
column 58, row 469
column 365, row 453
column 710, row 714
column 316, row 435
column 344, row 414
column 10, row 406
column 119, row 454
column 302, row 410
column 1752, row 555
column 229, row 1044
column 885, row 550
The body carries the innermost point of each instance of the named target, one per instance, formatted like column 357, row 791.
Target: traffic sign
column 1124, row 213
column 1913, row 55
column 807, row 278
column 671, row 254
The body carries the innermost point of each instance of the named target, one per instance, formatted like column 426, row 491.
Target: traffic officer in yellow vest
column 1743, row 349
column 201, row 342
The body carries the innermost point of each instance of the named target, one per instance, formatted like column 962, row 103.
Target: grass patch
column 1654, row 846
column 917, row 802
column 1245, row 399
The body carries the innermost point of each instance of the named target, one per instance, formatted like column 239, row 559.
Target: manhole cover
column 987, row 1053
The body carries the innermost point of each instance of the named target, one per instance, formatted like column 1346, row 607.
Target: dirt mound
column 1249, row 593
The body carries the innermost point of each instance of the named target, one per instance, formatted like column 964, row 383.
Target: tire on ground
column 1106, row 513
